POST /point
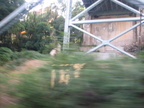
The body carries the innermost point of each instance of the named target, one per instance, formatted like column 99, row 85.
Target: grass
column 117, row 83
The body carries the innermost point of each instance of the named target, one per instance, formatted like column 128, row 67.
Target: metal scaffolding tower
column 71, row 22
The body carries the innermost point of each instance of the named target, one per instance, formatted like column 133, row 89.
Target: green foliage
column 7, row 6
column 102, row 84
column 78, row 7
column 3, row 81
column 141, row 56
column 5, row 55
column 28, row 55
column 58, row 25
column 17, row 28
column 42, row 29
column 48, row 48
column 20, row 57
column 38, row 33
column 76, row 35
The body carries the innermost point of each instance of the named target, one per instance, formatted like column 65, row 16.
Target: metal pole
column 127, row 7
column 107, row 20
column 126, row 31
column 87, row 9
column 66, row 38
column 92, row 50
column 17, row 14
column 87, row 33
column 121, row 51
column 12, row 15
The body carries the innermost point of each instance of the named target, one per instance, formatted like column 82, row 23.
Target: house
column 107, row 30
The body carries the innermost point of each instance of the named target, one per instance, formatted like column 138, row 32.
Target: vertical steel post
column 66, row 38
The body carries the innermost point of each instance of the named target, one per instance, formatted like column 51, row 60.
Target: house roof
column 107, row 8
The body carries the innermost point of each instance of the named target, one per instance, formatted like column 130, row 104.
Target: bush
column 48, row 47
column 28, row 55
column 5, row 55
column 17, row 58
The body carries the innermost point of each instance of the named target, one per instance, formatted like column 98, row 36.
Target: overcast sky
column 46, row 3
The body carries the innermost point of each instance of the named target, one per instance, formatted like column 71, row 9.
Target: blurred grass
column 117, row 83
column 20, row 57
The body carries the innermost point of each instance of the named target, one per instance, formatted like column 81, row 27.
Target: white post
column 66, row 39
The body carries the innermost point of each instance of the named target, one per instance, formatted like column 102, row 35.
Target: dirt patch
column 31, row 64
column 5, row 99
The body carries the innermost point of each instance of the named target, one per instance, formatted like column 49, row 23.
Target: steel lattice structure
column 71, row 22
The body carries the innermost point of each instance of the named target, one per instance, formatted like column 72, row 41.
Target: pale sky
column 46, row 3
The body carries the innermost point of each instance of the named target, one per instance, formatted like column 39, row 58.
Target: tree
column 6, row 7
column 58, row 25
column 38, row 32
column 48, row 25
column 41, row 29
column 15, row 36
column 76, row 35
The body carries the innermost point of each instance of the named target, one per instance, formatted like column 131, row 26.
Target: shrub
column 48, row 47
column 27, row 54
column 5, row 55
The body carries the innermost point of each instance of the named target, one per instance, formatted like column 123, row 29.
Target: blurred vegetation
column 39, row 30
column 7, row 6
column 115, row 83
column 5, row 55
column 102, row 84
column 11, row 59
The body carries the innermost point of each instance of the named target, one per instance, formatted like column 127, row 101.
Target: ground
column 30, row 64
column 5, row 99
